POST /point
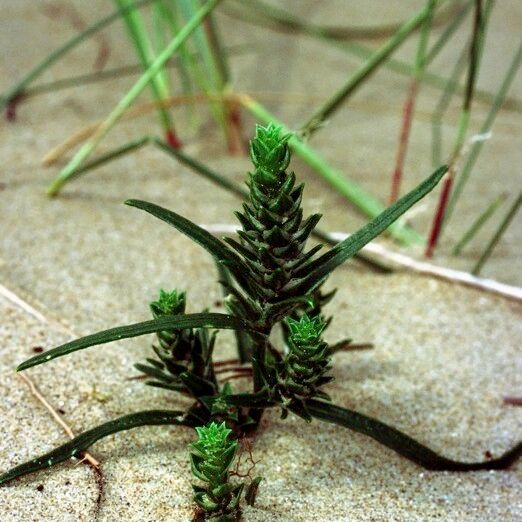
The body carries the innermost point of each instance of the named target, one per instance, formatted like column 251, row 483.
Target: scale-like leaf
column 206, row 320
column 324, row 265
column 400, row 442
column 74, row 447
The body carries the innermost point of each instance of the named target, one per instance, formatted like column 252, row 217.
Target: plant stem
column 442, row 106
column 486, row 127
column 477, row 44
column 230, row 107
column 478, row 223
column 158, row 83
column 366, row 203
column 497, row 235
column 131, row 95
column 19, row 87
column 365, row 70
column 279, row 18
column 292, row 24
column 409, row 105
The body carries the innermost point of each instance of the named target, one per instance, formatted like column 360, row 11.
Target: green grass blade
column 131, row 95
column 442, row 106
column 324, row 265
column 206, row 320
column 400, row 442
column 202, row 169
column 497, row 235
column 486, row 127
column 19, row 87
column 360, row 199
column 110, row 156
column 138, row 35
column 395, row 65
column 366, row 69
column 482, row 219
column 76, row 446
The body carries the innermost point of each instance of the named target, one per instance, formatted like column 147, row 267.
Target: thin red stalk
column 439, row 215
column 474, row 56
column 226, row 362
column 407, row 114
column 513, row 401
column 172, row 139
column 234, row 128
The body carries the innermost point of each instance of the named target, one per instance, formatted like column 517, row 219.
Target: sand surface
column 444, row 355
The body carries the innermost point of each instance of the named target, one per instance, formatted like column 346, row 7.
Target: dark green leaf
column 207, row 320
column 74, row 447
column 251, row 491
column 346, row 249
column 211, row 244
column 400, row 442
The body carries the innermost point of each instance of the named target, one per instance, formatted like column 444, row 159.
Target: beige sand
column 444, row 357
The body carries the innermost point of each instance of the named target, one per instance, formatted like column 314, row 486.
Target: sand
column 444, row 355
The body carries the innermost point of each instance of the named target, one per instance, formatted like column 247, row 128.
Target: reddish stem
column 513, row 401
column 407, row 114
column 172, row 139
column 439, row 215
column 226, row 361
column 12, row 105
column 234, row 128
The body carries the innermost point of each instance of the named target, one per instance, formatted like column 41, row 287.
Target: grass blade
column 206, row 320
column 18, row 89
column 409, row 105
column 486, row 127
column 324, row 265
column 497, row 235
column 365, row 70
column 131, row 95
column 76, row 446
column 400, row 442
column 478, row 223
column 480, row 21
column 158, row 83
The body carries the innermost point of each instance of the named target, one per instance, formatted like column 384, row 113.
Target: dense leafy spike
column 211, row 458
column 346, row 249
column 74, row 447
column 401, row 443
column 207, row 320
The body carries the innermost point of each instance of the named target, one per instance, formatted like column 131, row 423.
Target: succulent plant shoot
column 270, row 278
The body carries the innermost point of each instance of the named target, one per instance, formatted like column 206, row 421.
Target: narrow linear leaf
column 400, row 442
column 74, row 447
column 325, row 264
column 211, row 244
column 251, row 400
column 207, row 320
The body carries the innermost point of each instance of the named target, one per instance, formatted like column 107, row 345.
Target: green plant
column 211, row 458
column 270, row 279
